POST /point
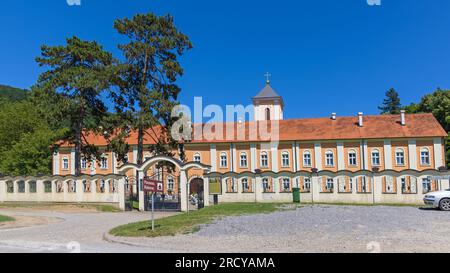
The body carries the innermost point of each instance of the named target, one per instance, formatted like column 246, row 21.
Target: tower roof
column 268, row 93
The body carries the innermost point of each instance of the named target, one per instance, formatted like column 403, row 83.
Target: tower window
column 268, row 114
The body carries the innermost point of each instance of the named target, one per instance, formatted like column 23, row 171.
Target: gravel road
column 318, row 228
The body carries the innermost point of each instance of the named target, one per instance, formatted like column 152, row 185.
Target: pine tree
column 391, row 104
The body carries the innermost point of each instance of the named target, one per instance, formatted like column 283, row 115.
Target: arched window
column 400, row 157
column 424, row 157
column 285, row 159
column 100, row 186
column 329, row 184
column 286, row 184
column 266, row 186
column 9, row 187
column 329, row 158
column 375, row 158
column 21, row 186
column 59, row 186
column 72, row 186
column 306, row 184
column 86, row 186
column 197, row 158
column 352, row 158
column 307, row 162
column 268, row 117
column 223, row 160
column 32, row 186
column 245, row 185
column 65, row 163
column 264, row 160
column 243, row 161
column 125, row 159
column 47, row 186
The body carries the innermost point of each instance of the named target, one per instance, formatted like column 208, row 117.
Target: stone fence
column 364, row 187
column 104, row 189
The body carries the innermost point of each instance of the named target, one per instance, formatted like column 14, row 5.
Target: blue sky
column 324, row 55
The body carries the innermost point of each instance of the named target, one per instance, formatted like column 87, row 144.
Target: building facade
column 330, row 159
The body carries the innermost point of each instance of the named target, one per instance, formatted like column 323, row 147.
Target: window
column 104, row 163
column 101, row 186
column 329, row 159
column 330, row 185
column 47, row 186
column 266, row 186
column 426, row 182
column 243, row 161
column 59, row 187
column 375, row 158
column 170, row 183
column 268, row 114
column 400, row 157
column 223, row 160
column 21, row 186
column 32, row 185
column 83, row 163
column 245, row 185
column 72, row 186
column 307, row 184
column 307, row 159
column 86, row 186
column 286, row 184
column 264, row 160
column 352, row 158
column 197, row 158
column 65, row 163
column 285, row 159
column 389, row 187
column 125, row 159
column 424, row 157
column 10, row 187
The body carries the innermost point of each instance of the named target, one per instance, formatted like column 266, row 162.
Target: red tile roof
column 375, row 127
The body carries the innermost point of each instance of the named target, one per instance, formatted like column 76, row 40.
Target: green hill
column 12, row 93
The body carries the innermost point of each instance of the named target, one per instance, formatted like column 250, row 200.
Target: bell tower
column 268, row 105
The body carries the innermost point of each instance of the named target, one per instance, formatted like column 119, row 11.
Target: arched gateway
column 175, row 178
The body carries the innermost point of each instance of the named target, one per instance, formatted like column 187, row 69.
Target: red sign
column 151, row 185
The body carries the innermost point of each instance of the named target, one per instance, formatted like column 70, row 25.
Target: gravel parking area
column 320, row 228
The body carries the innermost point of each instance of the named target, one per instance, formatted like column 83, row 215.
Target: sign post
column 153, row 186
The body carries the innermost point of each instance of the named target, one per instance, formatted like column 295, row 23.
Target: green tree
column 148, row 89
column 437, row 103
column 71, row 89
column 391, row 104
column 25, row 139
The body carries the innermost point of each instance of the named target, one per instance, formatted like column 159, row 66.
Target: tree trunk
column 78, row 151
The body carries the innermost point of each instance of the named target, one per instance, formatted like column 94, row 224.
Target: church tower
column 268, row 104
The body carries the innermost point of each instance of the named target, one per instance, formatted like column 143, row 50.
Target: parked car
column 438, row 199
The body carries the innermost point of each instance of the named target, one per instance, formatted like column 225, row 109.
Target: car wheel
column 445, row 204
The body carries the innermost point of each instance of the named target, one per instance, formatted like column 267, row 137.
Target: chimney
column 403, row 117
column 360, row 119
column 333, row 116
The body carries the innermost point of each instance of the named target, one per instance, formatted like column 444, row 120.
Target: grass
column 98, row 207
column 6, row 219
column 190, row 222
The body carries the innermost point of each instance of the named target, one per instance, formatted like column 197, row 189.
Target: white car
column 438, row 199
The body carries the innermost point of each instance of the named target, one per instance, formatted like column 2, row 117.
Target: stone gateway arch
column 181, row 168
